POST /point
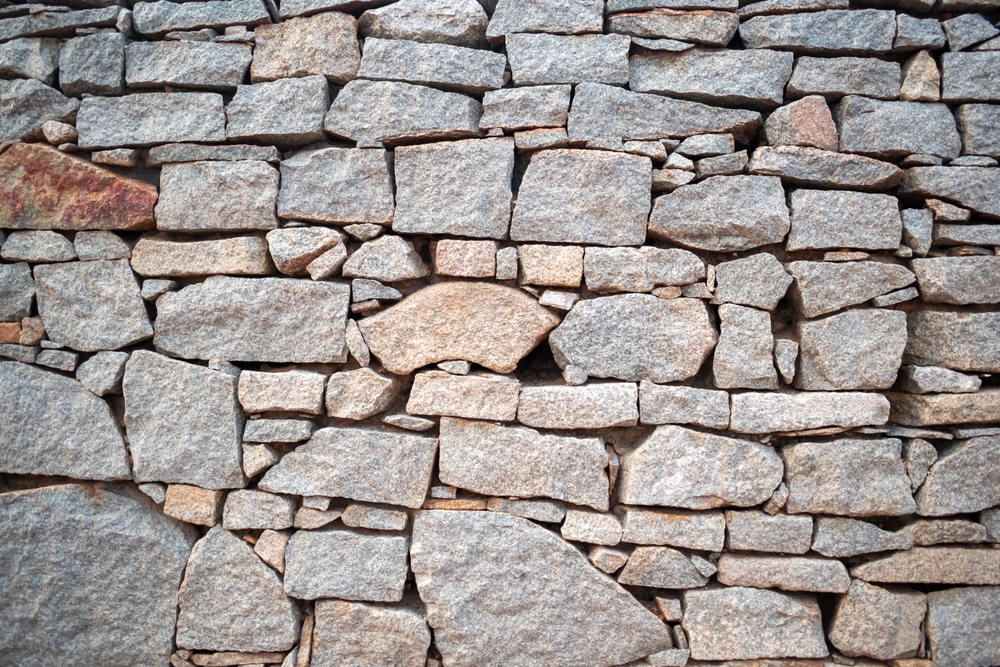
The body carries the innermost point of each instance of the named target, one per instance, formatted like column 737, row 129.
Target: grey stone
column 754, row 78
column 921, row 79
column 364, row 231
column 356, row 633
column 847, row 477
column 959, row 341
column 892, row 130
column 106, row 549
column 965, row 479
column 37, row 246
column 287, row 112
column 30, row 58
column 768, row 7
column 363, row 289
column 360, row 464
column 241, row 255
column 660, row 567
column 459, row 187
column 17, row 291
column 843, row 219
column 607, row 559
column 388, row 258
column 758, row 280
column 337, row 185
column 723, row 165
column 292, row 249
column 974, row 188
column 514, row 461
column 526, row 108
column 600, row 111
column 640, row 269
column 747, row 623
column 878, row 623
column 292, row 8
column 753, row 530
column 457, row 22
column 574, row 196
column 709, row 28
column 825, row 287
column 232, row 196
column 374, row 518
column 214, row 320
column 326, row 44
column 289, row 391
column 155, row 19
column 52, row 425
column 940, row 409
column 841, row 32
column 815, row 167
column 635, row 337
column 454, row 68
column 790, row 573
column 660, row 404
column 926, row 533
column 542, row 59
column 359, row 394
column 191, row 504
column 913, row 33
column 723, row 213
column 966, row 30
column 961, row 626
column 494, row 578
column 231, row 601
column 153, row 289
column 100, row 245
column 677, row 467
column 843, row 538
column 26, row 105
column 61, row 360
column 150, row 118
column 390, row 112
column 541, row 139
column 183, row 422
column 347, row 565
column 606, row 405
column 703, row 531
column 57, row 22
column 278, row 430
column 932, row 379
column 933, row 565
column 186, row 64
column 561, row 17
column 492, row 397
column 918, row 457
column 836, row 77
column 91, row 306
column 159, row 155
column 743, row 356
column 806, row 122
column 538, row 510
column 102, row 373
column 591, row 528
column 957, row 280
column 94, row 64
column 945, row 212
column 980, row 128
column 256, row 510
column 706, row 145
column 991, row 520
column 859, row 349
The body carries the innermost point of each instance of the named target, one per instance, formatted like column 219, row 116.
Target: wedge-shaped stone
column 766, row 413
column 493, row 579
column 294, row 248
column 968, row 77
column 292, row 8
column 677, row 467
column 942, row 409
column 183, row 422
column 661, row 567
column 640, row 269
column 961, row 626
column 515, row 461
column 368, row 634
column 959, row 341
column 755, row 624
column 492, row 397
column 150, row 118
column 934, row 379
column 836, row 77
column 91, row 306
column 542, row 59
column 878, row 623
column 230, row 196
column 27, row 104
column 286, row 112
column 601, row 111
column 754, row 530
column 950, row 235
column 235, row 319
column 578, row 196
column 326, row 44
column 723, row 214
column 390, row 112
column 187, row 64
column 843, row 538
column 891, row 130
column 160, row 155
column 704, row 531
column 758, row 281
column 959, row 280
column 806, row 122
column 345, row 564
column 814, row 167
column 455, row 68
column 843, row 219
column 456, row 187
column 592, row 406
column 337, row 185
column 526, row 108
column 709, row 28
column 458, row 22
column 241, row 255
column 17, row 292
column 635, row 337
column 659, row 404
column 859, row 349
column 965, row 479
column 558, row 17
column 57, row 22
column 933, row 565
column 790, row 573
column 832, row 32
column 100, row 585
column 717, row 76
column 847, row 478
column 825, row 287
column 360, row 464
column 490, row 325
column 49, row 189
column 52, row 425
column 155, row 19
column 231, row 601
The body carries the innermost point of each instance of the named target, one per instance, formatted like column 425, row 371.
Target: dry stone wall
column 533, row 333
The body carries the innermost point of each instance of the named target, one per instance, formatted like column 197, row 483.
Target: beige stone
column 878, row 623
column 467, row 259
column 291, row 391
column 604, row 405
column 359, row 394
column 194, row 504
column 805, row 122
column 556, row 266
column 324, row 44
column 490, row 397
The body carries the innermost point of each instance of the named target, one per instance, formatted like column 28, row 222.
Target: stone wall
column 521, row 333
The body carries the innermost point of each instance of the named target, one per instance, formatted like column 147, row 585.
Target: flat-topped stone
column 830, row 32
column 758, row 412
column 451, row 67
column 146, row 119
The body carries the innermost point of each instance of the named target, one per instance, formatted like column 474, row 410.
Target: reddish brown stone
column 44, row 188
column 10, row 332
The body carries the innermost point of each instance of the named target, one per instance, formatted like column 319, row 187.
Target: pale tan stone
column 556, row 266
column 194, row 504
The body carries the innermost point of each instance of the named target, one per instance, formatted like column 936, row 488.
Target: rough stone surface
column 961, row 625
column 979, row 125
column 710, row 28
column 639, row 269
column 541, row 59
column 838, row 218
column 659, row 404
column 660, row 567
column 859, row 349
column 30, row 58
column 974, row 188
column 278, row 430
column 878, row 623
column 959, row 341
column 958, row 280
column 821, row 168
column 193, row 504
column 359, row 394
column 325, row 44
column 921, row 79
column 234, row 195
column 256, row 510
column 291, row 391
column 594, row 406
column 940, row 409
column 357, row 633
column 743, row 357
column 458, row 22
column 150, row 118
column 238, row 256
column 703, row 531
column 758, row 281
column 102, row 373
column 26, row 105
column 450, row 67
column 529, row 107
column 17, row 291
column 155, row 19
column 754, row 530
column 591, row 528
column 966, row 77
column 345, row 564
column 560, row 17
column 491, row 397
column 836, row 77
column 186, row 64
column 337, row 185
column 806, row 573
column 806, row 122
column 37, row 246
column 830, row 32
column 286, row 112
column 965, row 479
column 891, row 130
column 825, row 287
column 842, row 538
column 933, row 565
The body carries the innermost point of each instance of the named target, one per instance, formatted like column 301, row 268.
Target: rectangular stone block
column 187, row 64
column 604, row 405
column 150, row 118
column 754, row 412
column 666, row 404
column 490, row 397
column 346, row 565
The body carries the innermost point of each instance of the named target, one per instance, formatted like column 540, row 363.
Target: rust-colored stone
column 10, row 332
column 44, row 188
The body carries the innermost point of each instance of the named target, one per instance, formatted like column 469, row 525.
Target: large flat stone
column 843, row 219
column 27, row 104
column 337, row 185
column 450, row 67
column 155, row 19
column 892, row 130
column 933, row 565
column 150, row 118
column 826, row 169
column 346, row 564
column 458, row 22
column 836, row 77
column 17, row 292
column 238, row 256
column 874, row 622
column 48, row 189
column 57, row 22
column 235, row 319
column 667, row 404
column 959, row 341
column 560, row 17
column 723, row 214
column 968, row 77
column 975, row 188
column 186, row 64
column 360, row 464
column 231, row 196
column 326, row 44
column 91, row 306
column 52, row 425
column 635, row 337
column 542, row 59
column 965, row 479
column 826, row 287
column 958, row 280
column 678, row 467
column 766, row 413
column 97, row 574
column 605, row 405
column 490, row 325
column 287, row 112
column 841, row 538
column 943, row 409
column 578, row 196
column 855, row 32
column 640, row 269
column 359, row 633
column 708, row 28
column 183, row 422
column 789, row 573
column 494, row 581
column 514, row 461
column 961, row 626
column 859, row 349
